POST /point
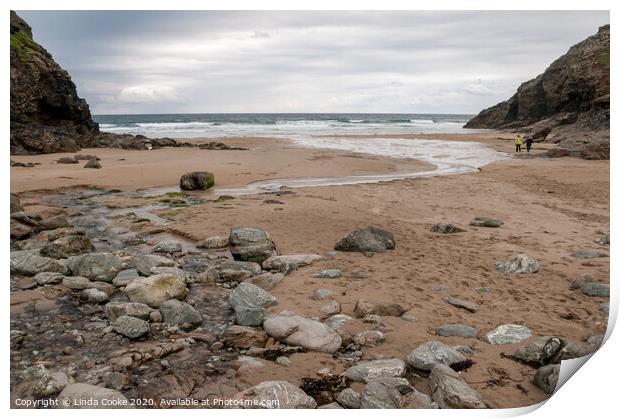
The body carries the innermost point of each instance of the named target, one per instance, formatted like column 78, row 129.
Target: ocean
column 278, row 124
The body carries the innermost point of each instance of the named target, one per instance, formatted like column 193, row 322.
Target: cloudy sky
column 212, row 61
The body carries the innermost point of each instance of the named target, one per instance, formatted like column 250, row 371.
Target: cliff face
column 568, row 104
column 46, row 113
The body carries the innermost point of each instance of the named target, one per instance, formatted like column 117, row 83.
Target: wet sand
column 549, row 207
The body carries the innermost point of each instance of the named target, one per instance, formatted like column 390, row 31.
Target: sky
column 268, row 61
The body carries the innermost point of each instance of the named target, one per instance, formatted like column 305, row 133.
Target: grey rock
column 156, row 289
column 418, row 400
column 588, row 254
column 409, row 317
column 604, row 308
column 96, row 266
column 45, row 382
column 457, row 302
column 287, row 395
column 249, row 295
column 94, row 295
column 177, row 312
column 328, row 273
column 168, row 246
column 507, row 334
column 67, row 246
column 299, row 260
column 47, row 278
column 367, row 240
column 27, row 262
column 146, row 263
column 284, row 361
column 216, row 242
column 116, row 309
column 321, row 294
column 330, row 308
column 336, row 321
column 192, row 181
column 446, row 228
column 300, row 331
column 595, row 289
column 266, row 280
column 249, row 316
column 450, row 392
column 540, row 351
column 485, row 222
column 131, row 327
column 517, row 264
column 231, row 270
column 53, row 223
column 76, row 283
column 370, row 370
column 546, row 377
column 425, row 356
column 384, row 393
column 114, row 380
column 251, row 244
column 86, row 396
column 461, row 330
column 349, row 398
column 124, row 277
column 573, row 350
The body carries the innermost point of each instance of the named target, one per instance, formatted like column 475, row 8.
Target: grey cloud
column 212, row 61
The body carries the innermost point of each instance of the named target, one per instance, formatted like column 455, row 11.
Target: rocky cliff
column 47, row 115
column 567, row 104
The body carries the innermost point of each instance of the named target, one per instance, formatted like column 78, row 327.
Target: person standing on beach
column 528, row 144
column 518, row 142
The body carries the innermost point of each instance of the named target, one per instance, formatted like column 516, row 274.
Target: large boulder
column 156, row 289
column 197, row 181
column 26, row 262
column 427, row 355
column 249, row 302
column 367, row 240
column 451, row 392
column 96, row 266
column 178, row 312
column 274, row 395
column 251, row 244
column 301, row 331
column 86, row 396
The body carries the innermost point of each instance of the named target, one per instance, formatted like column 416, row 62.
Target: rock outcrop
column 567, row 104
column 47, row 115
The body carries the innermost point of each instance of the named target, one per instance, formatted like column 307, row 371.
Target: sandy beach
column 550, row 207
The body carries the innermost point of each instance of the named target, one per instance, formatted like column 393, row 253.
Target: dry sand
column 549, row 207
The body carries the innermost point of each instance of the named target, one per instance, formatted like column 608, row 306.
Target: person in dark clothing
column 528, row 143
